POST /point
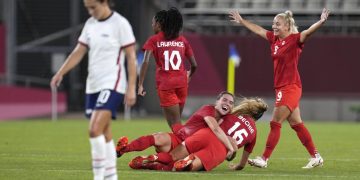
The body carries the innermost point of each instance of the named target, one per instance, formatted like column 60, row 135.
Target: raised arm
column 236, row 17
column 214, row 126
column 143, row 71
column 71, row 61
column 306, row 33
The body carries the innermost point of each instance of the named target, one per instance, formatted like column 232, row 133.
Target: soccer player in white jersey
column 107, row 37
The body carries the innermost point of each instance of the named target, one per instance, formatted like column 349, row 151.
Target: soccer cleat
column 121, row 145
column 314, row 162
column 140, row 162
column 184, row 164
column 258, row 162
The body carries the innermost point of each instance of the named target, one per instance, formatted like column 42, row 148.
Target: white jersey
column 106, row 40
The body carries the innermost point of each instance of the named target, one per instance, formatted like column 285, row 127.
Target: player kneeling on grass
column 203, row 150
column 206, row 116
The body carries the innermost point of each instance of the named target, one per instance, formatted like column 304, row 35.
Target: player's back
column 197, row 121
column 170, row 56
column 241, row 128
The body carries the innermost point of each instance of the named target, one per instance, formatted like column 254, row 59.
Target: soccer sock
column 305, row 138
column 176, row 127
column 164, row 158
column 273, row 139
column 98, row 154
column 140, row 144
column 110, row 166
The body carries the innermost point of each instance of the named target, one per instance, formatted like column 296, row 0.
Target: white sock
column 98, row 154
column 110, row 167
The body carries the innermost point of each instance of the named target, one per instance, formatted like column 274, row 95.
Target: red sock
column 140, row 143
column 305, row 138
column 164, row 158
column 176, row 127
column 273, row 139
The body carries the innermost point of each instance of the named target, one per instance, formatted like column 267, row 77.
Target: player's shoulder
column 120, row 18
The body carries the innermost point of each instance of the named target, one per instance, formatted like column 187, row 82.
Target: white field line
column 272, row 159
column 192, row 173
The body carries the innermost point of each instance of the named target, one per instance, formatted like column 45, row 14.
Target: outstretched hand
column 324, row 15
column 235, row 16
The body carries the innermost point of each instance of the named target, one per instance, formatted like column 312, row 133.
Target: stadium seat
column 260, row 4
column 223, row 3
column 333, row 4
column 278, row 4
column 241, row 4
column 201, row 4
column 350, row 5
column 296, row 5
column 314, row 4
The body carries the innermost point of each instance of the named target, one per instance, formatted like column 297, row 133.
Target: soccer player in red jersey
column 170, row 50
column 206, row 116
column 203, row 151
column 286, row 45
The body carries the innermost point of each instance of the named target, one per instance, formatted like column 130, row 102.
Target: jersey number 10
column 169, row 60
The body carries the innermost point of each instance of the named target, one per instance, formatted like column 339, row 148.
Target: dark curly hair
column 171, row 22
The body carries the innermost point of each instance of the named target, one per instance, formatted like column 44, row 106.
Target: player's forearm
column 193, row 66
column 132, row 74
column 72, row 60
column 214, row 126
column 244, row 159
column 306, row 33
column 254, row 28
column 143, row 71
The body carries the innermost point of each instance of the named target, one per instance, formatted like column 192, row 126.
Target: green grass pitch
column 41, row 149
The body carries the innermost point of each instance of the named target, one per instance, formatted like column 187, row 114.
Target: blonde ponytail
column 289, row 19
column 254, row 107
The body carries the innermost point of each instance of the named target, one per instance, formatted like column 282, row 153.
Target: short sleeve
column 149, row 44
column 297, row 37
column 207, row 111
column 126, row 33
column 82, row 38
column 270, row 36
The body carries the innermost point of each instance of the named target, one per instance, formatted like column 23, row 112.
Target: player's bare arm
column 242, row 163
column 192, row 68
column 236, row 17
column 306, row 33
column 214, row 126
column 141, row 91
column 72, row 60
column 130, row 96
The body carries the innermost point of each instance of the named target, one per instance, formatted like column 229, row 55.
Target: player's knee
column 95, row 131
column 160, row 139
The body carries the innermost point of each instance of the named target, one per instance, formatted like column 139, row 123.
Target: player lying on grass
column 206, row 116
column 203, row 151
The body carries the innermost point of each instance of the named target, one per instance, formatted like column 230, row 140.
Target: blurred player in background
column 286, row 46
column 203, row 151
column 108, row 37
column 170, row 50
column 206, row 116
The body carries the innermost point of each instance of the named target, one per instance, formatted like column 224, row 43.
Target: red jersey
column 196, row 121
column 242, row 129
column 170, row 56
column 285, row 54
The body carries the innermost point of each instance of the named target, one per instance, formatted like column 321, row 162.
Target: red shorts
column 172, row 97
column 207, row 147
column 289, row 96
column 175, row 141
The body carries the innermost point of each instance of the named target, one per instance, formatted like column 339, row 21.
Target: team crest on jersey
column 283, row 43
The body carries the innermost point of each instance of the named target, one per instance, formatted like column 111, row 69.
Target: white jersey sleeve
column 126, row 33
column 82, row 38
